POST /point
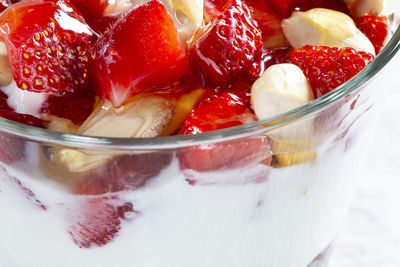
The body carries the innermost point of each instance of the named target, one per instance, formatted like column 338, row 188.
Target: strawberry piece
column 90, row 8
column 226, row 45
column 95, row 221
column 219, row 112
column 286, row 7
column 123, row 172
column 267, row 21
column 75, row 107
column 139, row 52
column 46, row 42
column 264, row 60
column 375, row 28
column 12, row 148
column 328, row 67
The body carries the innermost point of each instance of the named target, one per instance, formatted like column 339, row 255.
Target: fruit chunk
column 324, row 27
column 219, row 112
column 281, row 88
column 290, row 159
column 74, row 107
column 6, row 3
column 139, row 52
column 328, row 67
column 363, row 7
column 267, row 20
column 46, row 43
column 226, row 45
column 286, row 7
column 5, row 69
column 187, row 14
column 146, row 116
column 375, row 28
column 95, row 221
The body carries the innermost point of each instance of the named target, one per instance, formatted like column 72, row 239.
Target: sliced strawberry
column 328, row 67
column 95, row 221
column 90, row 8
column 75, row 107
column 139, row 52
column 375, row 28
column 226, row 45
column 219, row 112
column 46, row 42
column 286, row 7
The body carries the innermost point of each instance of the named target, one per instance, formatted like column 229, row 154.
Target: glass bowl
column 270, row 193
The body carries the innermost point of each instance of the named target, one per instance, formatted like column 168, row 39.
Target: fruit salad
column 131, row 69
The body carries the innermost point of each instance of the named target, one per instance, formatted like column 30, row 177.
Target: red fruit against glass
column 329, row 67
column 120, row 173
column 95, row 221
column 286, row 7
column 74, row 107
column 215, row 113
column 226, row 45
column 46, row 43
column 139, row 52
column 12, row 148
column 375, row 28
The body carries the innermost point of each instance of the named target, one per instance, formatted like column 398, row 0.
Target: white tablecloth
column 371, row 232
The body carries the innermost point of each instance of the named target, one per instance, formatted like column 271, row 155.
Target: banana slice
column 5, row 69
column 147, row 116
column 290, row 159
column 362, row 7
column 282, row 87
column 326, row 27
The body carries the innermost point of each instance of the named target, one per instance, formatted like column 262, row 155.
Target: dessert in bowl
column 176, row 138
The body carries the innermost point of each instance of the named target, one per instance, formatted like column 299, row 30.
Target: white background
column 371, row 232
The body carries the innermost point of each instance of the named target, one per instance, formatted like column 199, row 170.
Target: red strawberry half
column 227, row 44
column 95, row 221
column 375, row 28
column 286, row 7
column 75, row 107
column 139, row 52
column 328, row 67
column 219, row 112
column 46, row 42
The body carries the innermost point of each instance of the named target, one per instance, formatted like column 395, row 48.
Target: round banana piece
column 281, row 88
column 325, row 27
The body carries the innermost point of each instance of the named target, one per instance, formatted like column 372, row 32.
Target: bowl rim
column 171, row 142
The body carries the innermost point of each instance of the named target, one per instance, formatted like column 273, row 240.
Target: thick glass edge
column 171, row 142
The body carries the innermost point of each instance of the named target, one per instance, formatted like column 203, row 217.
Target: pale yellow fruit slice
column 5, row 69
column 146, row 116
column 281, row 88
column 362, row 7
column 325, row 27
column 290, row 159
